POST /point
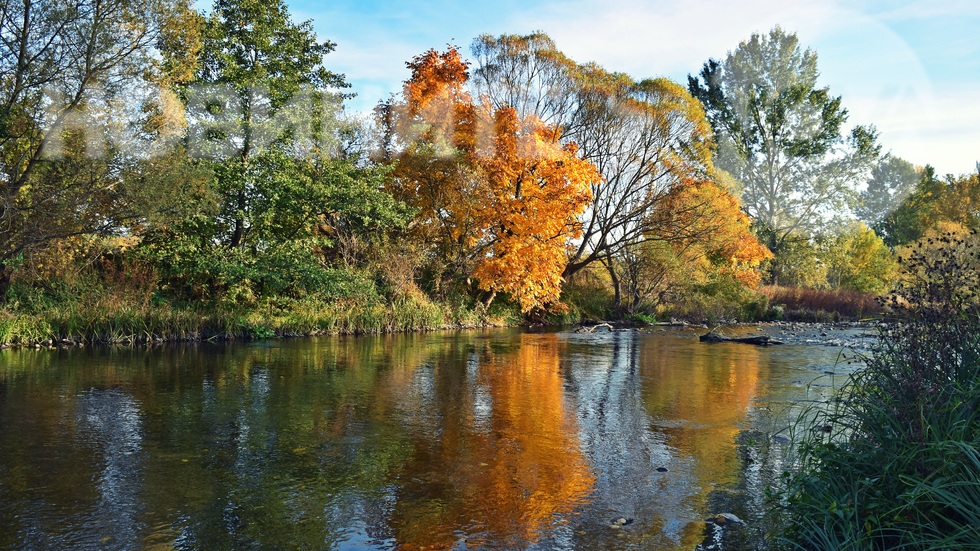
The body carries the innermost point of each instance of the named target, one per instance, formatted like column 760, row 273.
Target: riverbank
column 80, row 323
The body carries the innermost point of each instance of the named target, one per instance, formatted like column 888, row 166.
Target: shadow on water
column 472, row 440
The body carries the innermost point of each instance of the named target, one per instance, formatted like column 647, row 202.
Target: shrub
column 894, row 463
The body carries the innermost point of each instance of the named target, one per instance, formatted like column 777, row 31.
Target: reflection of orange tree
column 507, row 468
column 709, row 392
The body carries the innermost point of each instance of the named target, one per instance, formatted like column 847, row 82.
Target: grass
column 894, row 461
column 121, row 317
column 818, row 305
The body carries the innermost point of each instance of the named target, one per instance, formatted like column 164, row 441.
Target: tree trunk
column 616, row 284
column 5, row 273
column 487, row 300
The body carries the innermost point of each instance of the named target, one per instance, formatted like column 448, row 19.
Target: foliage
column 500, row 206
column 894, row 461
column 858, row 260
column 259, row 111
column 698, row 234
column 780, row 135
column 648, row 138
column 934, row 202
column 799, row 263
column 68, row 69
column 892, row 180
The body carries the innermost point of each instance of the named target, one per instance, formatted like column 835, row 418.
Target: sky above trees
column 910, row 68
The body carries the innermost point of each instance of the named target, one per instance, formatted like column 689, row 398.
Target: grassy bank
column 894, row 461
column 138, row 323
column 100, row 309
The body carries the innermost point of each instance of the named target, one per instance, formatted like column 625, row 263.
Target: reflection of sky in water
column 109, row 421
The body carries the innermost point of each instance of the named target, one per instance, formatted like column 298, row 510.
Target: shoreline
column 587, row 326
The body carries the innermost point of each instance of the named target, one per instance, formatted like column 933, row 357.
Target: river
column 499, row 439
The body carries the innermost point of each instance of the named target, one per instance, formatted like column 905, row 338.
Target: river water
column 496, row 439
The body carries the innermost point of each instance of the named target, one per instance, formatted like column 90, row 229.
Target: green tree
column 892, row 180
column 260, row 101
column 857, row 259
column 779, row 134
column 66, row 70
column 933, row 203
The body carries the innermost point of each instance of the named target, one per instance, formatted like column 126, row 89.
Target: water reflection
column 438, row 441
column 503, row 458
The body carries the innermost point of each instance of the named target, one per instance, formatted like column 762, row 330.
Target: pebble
column 620, row 522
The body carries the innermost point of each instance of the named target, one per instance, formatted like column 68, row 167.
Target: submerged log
column 759, row 340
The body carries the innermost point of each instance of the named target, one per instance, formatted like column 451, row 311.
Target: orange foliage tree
column 498, row 195
column 697, row 232
column 653, row 144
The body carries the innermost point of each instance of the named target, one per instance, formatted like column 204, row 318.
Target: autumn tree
column 645, row 137
column 498, row 194
column 780, row 135
column 698, row 233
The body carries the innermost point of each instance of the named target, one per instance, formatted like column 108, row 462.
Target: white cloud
column 881, row 77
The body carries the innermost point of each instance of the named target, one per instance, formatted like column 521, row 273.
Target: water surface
column 471, row 440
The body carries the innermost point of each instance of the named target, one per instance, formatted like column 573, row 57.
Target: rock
column 723, row 519
column 620, row 522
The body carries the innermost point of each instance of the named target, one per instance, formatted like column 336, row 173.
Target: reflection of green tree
column 404, row 440
column 300, row 438
column 245, row 444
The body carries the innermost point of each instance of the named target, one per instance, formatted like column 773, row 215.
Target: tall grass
column 894, row 463
column 802, row 304
column 122, row 312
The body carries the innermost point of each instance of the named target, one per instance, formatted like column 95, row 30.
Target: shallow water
column 464, row 440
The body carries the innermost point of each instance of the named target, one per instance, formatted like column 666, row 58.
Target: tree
column 647, row 138
column 780, row 135
column 857, row 259
column 892, row 180
column 497, row 194
column 698, row 232
column 933, row 202
column 260, row 99
column 67, row 68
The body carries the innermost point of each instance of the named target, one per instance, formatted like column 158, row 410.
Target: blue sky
column 910, row 68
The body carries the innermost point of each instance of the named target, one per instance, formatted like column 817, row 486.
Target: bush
column 894, row 463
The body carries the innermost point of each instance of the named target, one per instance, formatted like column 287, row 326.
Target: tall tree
column 780, row 135
column 498, row 194
column 259, row 97
column 892, row 180
column 66, row 68
column 649, row 139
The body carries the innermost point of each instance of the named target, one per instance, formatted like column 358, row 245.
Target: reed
column 893, row 461
column 822, row 305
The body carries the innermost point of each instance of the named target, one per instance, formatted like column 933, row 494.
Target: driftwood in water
column 592, row 328
column 760, row 340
